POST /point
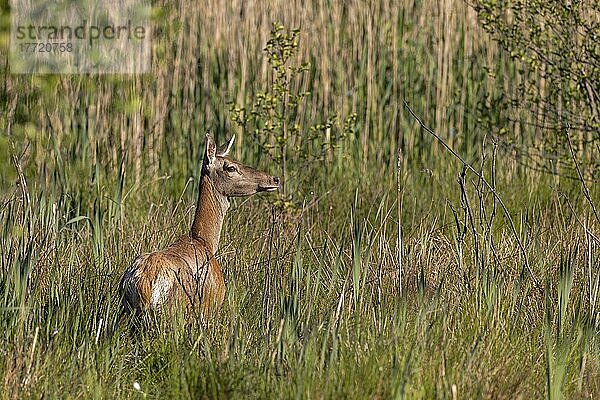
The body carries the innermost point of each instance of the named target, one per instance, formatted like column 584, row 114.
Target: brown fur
column 187, row 272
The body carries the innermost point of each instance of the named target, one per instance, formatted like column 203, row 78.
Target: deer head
column 231, row 178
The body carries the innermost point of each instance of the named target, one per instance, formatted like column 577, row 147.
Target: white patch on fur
column 160, row 289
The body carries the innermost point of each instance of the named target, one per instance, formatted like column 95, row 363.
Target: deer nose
column 276, row 180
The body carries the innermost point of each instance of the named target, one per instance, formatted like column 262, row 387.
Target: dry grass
column 106, row 169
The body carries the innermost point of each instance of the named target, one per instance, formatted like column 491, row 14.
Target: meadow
column 388, row 268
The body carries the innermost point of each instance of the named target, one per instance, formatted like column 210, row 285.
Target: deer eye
column 230, row 168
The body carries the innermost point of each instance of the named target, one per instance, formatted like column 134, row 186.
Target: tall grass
column 364, row 59
column 326, row 303
column 310, row 309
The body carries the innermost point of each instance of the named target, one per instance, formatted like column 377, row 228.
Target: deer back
column 185, row 273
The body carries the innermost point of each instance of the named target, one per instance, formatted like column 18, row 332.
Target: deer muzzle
column 270, row 186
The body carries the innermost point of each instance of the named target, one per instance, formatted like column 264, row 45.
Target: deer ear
column 224, row 150
column 211, row 150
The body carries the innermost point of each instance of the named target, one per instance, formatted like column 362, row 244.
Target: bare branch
column 585, row 189
column 491, row 188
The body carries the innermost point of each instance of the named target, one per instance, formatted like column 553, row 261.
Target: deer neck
column 210, row 212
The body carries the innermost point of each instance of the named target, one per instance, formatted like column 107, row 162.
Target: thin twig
column 399, row 244
column 586, row 191
column 489, row 186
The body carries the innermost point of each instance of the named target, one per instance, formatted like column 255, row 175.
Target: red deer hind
column 187, row 272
